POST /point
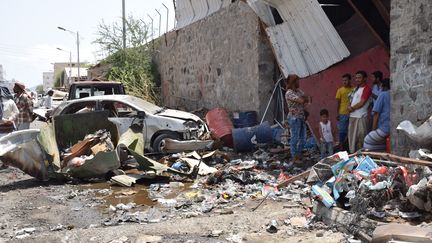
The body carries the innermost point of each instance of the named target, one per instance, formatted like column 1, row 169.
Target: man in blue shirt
column 377, row 87
column 376, row 139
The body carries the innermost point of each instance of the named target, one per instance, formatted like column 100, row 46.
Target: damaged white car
column 159, row 123
column 95, row 136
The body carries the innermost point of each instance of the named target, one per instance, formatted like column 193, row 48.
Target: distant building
column 71, row 75
column 48, row 80
column 59, row 67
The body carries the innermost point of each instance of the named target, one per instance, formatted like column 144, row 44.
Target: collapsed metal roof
column 190, row 11
column 306, row 42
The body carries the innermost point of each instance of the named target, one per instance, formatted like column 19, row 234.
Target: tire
column 157, row 143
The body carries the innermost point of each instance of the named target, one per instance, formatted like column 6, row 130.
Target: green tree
column 39, row 89
column 132, row 66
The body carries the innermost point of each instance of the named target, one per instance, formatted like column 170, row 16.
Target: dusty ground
column 79, row 215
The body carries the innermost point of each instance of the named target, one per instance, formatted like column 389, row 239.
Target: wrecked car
column 83, row 145
column 159, row 123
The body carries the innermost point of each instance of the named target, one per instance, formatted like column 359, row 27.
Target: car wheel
column 157, row 143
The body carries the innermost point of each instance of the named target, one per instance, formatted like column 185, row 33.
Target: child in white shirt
column 326, row 134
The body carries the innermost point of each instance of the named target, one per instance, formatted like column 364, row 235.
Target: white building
column 48, row 80
column 71, row 75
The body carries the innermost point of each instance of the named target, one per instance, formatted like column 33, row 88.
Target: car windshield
column 145, row 105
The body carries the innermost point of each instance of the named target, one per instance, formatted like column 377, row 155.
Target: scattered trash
column 149, row 238
column 124, row 207
column 122, row 239
column 216, row 233
column 58, row 227
column 421, row 135
column 272, row 227
column 24, row 233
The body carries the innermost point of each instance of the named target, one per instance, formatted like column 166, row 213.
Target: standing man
column 376, row 139
column 343, row 102
column 25, row 107
column 376, row 87
column 8, row 112
column 358, row 122
column 296, row 101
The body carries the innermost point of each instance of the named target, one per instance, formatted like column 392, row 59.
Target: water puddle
column 138, row 194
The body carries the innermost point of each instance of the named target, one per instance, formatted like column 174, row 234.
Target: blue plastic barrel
column 245, row 119
column 246, row 138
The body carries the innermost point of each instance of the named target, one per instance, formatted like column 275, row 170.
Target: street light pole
column 77, row 43
column 124, row 23
column 70, row 64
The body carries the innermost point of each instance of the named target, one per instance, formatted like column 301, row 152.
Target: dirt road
column 33, row 211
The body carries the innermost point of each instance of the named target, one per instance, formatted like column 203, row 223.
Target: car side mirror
column 141, row 114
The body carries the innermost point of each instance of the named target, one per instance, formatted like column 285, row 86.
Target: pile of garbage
column 224, row 182
column 387, row 190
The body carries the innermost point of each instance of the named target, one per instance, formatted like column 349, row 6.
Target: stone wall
column 223, row 60
column 411, row 66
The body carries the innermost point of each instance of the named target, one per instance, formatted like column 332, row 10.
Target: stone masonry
column 224, row 60
column 411, row 67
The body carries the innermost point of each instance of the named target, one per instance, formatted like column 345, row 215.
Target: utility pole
column 78, row 52
column 124, row 24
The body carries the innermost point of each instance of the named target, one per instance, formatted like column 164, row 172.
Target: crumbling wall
column 223, row 60
column 411, row 67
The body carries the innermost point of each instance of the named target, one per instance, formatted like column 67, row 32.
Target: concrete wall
column 411, row 66
column 223, row 60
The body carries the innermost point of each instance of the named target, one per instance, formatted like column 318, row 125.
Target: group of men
column 364, row 112
column 363, row 115
column 16, row 112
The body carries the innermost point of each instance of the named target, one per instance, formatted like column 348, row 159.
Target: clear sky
column 29, row 35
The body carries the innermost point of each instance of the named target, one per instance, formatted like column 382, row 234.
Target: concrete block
column 401, row 232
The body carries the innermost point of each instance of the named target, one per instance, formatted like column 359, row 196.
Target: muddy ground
column 69, row 212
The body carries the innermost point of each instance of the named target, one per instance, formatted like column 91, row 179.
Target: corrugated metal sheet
column 214, row 5
column 306, row 43
column 263, row 11
column 190, row 11
column 184, row 13
column 200, row 8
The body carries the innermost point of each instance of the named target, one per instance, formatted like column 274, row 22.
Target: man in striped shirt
column 25, row 107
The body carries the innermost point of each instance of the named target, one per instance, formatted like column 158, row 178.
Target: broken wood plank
column 395, row 158
column 294, row 178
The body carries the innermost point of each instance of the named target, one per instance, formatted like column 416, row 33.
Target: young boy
column 326, row 134
column 342, row 97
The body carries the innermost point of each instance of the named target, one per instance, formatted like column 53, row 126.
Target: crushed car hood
column 179, row 115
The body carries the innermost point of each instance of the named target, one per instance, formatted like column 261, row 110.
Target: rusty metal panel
column 306, row 43
column 263, row 11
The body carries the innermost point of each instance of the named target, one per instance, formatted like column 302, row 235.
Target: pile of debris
column 386, row 189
